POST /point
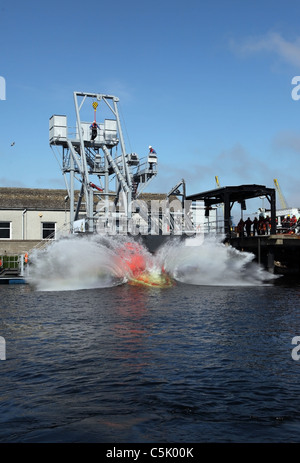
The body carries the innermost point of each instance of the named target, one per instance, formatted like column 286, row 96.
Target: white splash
column 210, row 262
column 74, row 263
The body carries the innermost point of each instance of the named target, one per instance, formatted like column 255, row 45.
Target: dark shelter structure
column 231, row 194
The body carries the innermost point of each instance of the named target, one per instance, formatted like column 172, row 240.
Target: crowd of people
column 262, row 225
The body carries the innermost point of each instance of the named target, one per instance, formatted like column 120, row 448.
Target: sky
column 207, row 83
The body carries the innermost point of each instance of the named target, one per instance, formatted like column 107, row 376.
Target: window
column 5, row 230
column 48, row 231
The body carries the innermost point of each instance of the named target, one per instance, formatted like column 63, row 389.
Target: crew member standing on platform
column 152, row 153
column 151, row 150
column 94, row 127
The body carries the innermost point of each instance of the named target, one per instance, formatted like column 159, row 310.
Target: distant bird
column 12, row 144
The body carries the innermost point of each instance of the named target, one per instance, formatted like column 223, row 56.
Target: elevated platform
column 90, row 156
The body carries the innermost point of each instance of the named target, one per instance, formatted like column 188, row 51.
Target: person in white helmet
column 151, row 150
column 151, row 157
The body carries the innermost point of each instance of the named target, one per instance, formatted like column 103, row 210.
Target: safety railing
column 11, row 264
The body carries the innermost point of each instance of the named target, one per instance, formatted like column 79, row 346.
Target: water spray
column 98, row 262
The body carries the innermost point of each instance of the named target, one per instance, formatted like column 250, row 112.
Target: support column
column 72, row 203
column 227, row 211
column 273, row 213
column 270, row 261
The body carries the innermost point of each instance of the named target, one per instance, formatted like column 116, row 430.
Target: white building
column 28, row 216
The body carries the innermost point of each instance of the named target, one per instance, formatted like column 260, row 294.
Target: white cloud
column 10, row 183
column 287, row 143
column 234, row 166
column 288, row 51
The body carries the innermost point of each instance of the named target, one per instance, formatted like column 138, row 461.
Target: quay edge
column 279, row 254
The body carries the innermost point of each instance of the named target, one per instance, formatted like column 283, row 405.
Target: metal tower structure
column 90, row 151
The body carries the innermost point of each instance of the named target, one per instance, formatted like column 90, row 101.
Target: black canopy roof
column 235, row 193
column 231, row 194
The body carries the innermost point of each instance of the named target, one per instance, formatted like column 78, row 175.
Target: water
column 197, row 362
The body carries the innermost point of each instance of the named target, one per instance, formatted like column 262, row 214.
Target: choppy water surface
column 191, row 363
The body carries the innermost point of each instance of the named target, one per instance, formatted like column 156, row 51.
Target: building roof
column 48, row 199
column 33, row 198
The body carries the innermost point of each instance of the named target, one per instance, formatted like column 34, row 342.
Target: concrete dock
column 279, row 254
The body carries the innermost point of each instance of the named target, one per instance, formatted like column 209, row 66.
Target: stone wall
column 17, row 246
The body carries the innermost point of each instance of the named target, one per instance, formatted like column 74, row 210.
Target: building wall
column 27, row 228
column 18, row 247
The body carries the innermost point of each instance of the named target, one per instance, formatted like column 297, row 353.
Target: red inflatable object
column 133, row 258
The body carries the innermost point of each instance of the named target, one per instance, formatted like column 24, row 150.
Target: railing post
column 21, row 264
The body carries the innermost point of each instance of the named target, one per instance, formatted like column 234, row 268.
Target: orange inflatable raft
column 134, row 258
column 158, row 280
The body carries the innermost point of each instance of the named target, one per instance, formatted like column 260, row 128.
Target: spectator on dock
column 240, row 228
column 262, row 226
column 287, row 221
column 248, row 224
column 293, row 221
column 255, row 226
column 283, row 223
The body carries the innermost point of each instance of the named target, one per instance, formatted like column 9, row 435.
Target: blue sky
column 207, row 83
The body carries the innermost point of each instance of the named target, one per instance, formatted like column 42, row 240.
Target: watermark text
column 2, row 348
column 158, row 217
column 2, row 88
column 296, row 350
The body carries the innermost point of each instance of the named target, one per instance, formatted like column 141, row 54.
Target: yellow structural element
column 281, row 197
